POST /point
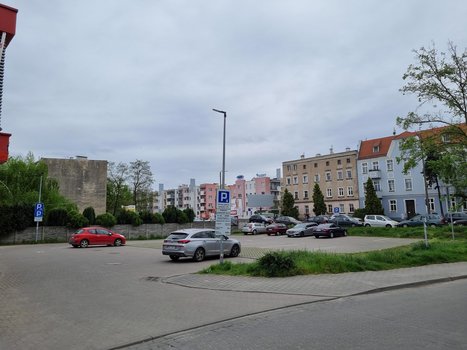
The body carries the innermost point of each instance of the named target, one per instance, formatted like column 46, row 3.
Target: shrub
column 106, row 220
column 15, row 217
column 76, row 220
column 158, row 219
column 57, row 217
column 89, row 214
column 360, row 213
column 276, row 264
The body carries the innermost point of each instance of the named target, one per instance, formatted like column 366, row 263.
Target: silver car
column 301, row 230
column 197, row 244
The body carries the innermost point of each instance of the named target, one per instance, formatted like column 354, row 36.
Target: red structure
column 7, row 32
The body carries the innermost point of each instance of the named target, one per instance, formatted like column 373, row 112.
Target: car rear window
column 177, row 235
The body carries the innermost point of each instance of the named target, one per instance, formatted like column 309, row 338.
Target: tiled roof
column 375, row 148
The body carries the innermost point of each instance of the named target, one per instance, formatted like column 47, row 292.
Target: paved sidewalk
column 328, row 285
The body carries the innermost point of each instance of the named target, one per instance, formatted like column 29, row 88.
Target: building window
column 305, row 194
column 328, row 176
column 329, row 192
column 296, row 195
column 288, row 168
column 376, row 149
column 341, row 208
column 340, row 175
column 364, row 168
column 295, row 167
column 327, row 163
column 339, row 162
column 307, row 210
column 391, row 186
column 315, row 165
column 351, row 208
column 390, row 165
column 408, row 184
column 349, row 174
column 350, row 191
column 340, row 191
column 348, row 160
column 288, row 181
column 317, row 178
column 431, row 203
column 445, row 138
column 304, row 166
column 375, row 165
column 377, row 185
column 329, row 208
column 305, row 179
column 295, row 180
column 392, row 205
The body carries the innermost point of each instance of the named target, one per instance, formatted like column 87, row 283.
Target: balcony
column 374, row 174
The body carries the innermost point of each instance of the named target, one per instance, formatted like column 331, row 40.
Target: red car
column 276, row 229
column 96, row 236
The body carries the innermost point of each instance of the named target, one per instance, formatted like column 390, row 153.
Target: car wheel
column 316, row 236
column 433, row 225
column 302, row 234
column 199, row 255
column 331, row 235
column 345, row 233
column 388, row 225
column 353, row 225
column 367, row 225
column 174, row 257
column 84, row 243
column 118, row 242
column 405, row 225
column 235, row 251
column 254, row 232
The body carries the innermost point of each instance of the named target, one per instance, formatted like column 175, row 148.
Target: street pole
column 221, row 258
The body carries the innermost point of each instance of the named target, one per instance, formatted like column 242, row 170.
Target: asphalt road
column 57, row 297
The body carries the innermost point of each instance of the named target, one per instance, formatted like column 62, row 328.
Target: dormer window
column 375, row 148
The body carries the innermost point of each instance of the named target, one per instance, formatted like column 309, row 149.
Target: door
column 410, row 208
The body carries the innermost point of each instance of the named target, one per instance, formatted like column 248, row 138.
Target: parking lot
column 55, row 296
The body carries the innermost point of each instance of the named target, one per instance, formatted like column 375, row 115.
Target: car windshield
column 300, row 226
column 177, row 235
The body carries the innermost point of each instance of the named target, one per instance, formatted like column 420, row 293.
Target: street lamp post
column 221, row 258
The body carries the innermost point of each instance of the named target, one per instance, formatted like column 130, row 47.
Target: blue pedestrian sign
column 38, row 212
column 336, row 210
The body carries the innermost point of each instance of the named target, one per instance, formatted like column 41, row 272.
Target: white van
column 379, row 221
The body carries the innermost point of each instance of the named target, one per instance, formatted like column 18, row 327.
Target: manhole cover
column 153, row 279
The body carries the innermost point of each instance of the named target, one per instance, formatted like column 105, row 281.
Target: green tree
column 288, row 205
column 372, row 202
column 118, row 191
column 140, row 177
column 439, row 80
column 190, row 214
column 106, row 220
column 319, row 207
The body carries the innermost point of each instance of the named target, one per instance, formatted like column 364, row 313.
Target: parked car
column 379, row 221
column 329, row 230
column 345, row 220
column 261, row 219
column 302, row 229
column 254, row 228
column 456, row 216
column 276, row 229
column 95, row 235
column 432, row 220
column 460, row 223
column 319, row 219
column 286, row 220
column 197, row 244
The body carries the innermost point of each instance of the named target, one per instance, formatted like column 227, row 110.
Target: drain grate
column 153, row 279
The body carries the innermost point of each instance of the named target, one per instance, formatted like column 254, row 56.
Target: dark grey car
column 197, row 244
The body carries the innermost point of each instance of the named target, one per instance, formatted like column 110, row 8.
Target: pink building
column 207, row 201
column 238, row 196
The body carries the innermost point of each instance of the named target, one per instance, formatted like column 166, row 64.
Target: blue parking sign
column 38, row 211
column 223, row 196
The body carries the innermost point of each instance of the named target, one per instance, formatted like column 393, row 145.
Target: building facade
column 336, row 175
column 81, row 180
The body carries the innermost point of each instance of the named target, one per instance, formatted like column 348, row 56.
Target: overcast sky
column 124, row 80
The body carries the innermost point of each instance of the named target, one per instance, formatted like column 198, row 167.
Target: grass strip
column 301, row 262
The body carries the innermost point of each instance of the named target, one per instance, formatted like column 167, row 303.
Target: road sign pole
column 37, row 222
